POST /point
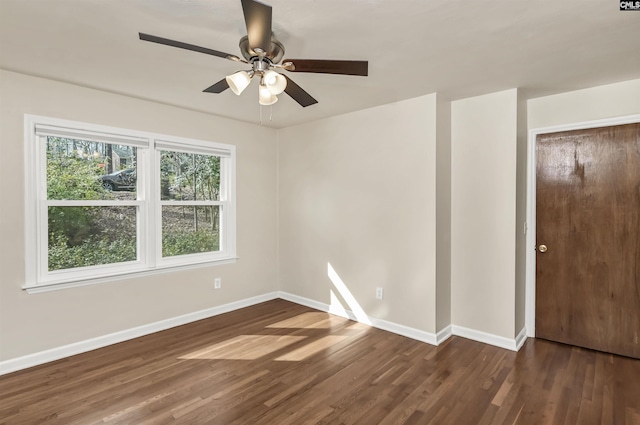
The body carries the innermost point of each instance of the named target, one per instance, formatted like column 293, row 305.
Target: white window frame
column 149, row 206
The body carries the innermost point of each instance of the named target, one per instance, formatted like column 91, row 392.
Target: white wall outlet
column 379, row 293
column 217, row 283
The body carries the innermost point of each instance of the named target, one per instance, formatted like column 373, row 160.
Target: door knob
column 542, row 248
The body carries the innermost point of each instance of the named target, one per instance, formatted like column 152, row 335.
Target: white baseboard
column 57, row 353
column 428, row 337
column 308, row 302
column 491, row 339
column 444, row 335
column 521, row 338
column 413, row 333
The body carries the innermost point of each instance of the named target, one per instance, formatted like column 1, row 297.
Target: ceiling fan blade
column 321, row 66
column 257, row 17
column 218, row 87
column 187, row 46
column 298, row 94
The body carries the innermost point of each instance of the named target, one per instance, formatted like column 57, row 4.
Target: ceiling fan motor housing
column 275, row 53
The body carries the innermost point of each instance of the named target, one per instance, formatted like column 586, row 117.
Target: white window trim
column 150, row 261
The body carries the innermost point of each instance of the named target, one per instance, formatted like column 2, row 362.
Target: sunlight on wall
column 335, row 306
column 347, row 296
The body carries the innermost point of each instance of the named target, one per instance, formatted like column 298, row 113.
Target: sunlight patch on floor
column 358, row 327
column 324, row 343
column 244, row 347
column 309, row 321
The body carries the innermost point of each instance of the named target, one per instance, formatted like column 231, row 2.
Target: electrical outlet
column 217, row 283
column 379, row 293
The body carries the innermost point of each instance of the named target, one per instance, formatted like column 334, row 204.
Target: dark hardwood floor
column 279, row 363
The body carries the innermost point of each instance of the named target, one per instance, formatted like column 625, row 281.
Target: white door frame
column 530, row 283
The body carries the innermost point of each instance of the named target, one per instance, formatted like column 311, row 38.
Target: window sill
column 55, row 286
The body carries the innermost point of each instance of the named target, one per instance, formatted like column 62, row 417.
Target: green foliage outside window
column 71, row 179
column 81, row 236
column 92, row 251
column 179, row 243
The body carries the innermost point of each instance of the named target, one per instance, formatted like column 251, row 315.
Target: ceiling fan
column 263, row 52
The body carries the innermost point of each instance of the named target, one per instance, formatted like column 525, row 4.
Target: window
column 104, row 202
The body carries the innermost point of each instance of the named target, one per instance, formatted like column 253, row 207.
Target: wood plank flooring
column 279, row 363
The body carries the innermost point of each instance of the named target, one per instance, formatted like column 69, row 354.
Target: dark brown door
column 588, row 217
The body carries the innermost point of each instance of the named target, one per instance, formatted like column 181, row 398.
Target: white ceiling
column 414, row 47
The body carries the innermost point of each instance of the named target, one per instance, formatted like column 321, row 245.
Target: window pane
column 189, row 177
column 81, row 170
column 189, row 229
column 88, row 236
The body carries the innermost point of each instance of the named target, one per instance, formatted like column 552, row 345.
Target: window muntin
column 97, row 203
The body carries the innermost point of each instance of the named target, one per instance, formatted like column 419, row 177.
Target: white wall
column 32, row 323
column 521, row 215
column 483, row 212
column 358, row 192
column 443, row 213
column 612, row 100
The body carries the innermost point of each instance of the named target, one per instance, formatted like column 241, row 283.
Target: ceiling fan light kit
column 275, row 82
column 239, row 81
column 264, row 53
column 265, row 97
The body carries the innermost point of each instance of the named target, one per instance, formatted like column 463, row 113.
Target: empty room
column 319, row 212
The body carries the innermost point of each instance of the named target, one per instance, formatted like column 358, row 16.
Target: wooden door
column 588, row 216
